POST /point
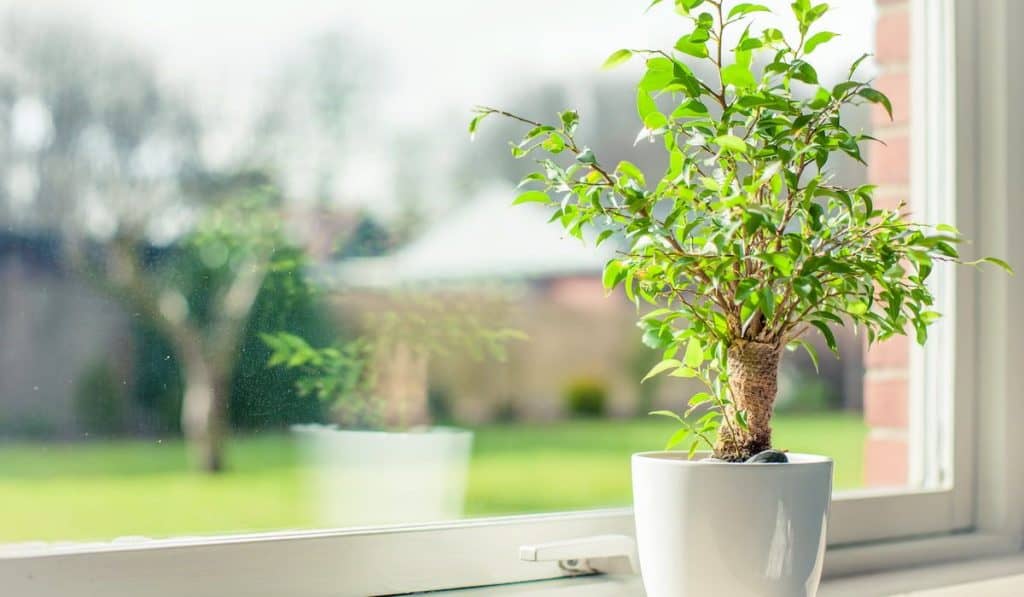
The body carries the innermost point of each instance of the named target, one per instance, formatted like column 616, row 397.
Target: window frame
column 974, row 515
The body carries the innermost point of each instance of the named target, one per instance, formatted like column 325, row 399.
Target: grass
column 101, row 490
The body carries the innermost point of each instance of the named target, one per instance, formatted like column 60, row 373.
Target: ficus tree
column 746, row 242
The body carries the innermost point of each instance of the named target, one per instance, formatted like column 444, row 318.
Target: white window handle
column 608, row 554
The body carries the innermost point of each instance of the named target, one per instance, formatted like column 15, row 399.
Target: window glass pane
column 255, row 276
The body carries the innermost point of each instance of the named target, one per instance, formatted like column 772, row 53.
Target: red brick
column 886, row 462
column 585, row 294
column 892, row 41
column 897, row 87
column 891, row 354
column 885, row 402
column 890, row 163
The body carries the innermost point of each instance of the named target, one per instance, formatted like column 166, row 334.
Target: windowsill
column 474, row 554
column 992, row 577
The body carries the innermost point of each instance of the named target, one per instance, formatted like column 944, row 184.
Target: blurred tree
column 202, row 314
column 259, row 398
column 100, row 153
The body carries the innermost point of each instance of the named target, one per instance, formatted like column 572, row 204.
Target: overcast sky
column 426, row 59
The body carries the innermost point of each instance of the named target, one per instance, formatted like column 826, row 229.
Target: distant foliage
column 586, row 397
column 100, row 405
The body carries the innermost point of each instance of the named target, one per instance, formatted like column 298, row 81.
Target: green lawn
column 101, row 490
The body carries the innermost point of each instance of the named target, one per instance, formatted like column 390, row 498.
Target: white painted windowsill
column 992, row 577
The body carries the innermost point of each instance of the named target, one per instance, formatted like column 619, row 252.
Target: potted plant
column 381, row 461
column 744, row 245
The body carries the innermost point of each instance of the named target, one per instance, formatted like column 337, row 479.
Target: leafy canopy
column 746, row 236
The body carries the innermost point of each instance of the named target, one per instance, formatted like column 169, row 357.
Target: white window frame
column 965, row 118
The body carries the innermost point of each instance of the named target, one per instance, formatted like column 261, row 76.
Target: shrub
column 586, row 397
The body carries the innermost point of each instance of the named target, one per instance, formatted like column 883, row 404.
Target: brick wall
column 887, row 364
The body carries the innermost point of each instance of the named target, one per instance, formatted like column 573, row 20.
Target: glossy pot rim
column 681, row 459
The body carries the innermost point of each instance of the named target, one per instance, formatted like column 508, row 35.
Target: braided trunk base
column 753, row 383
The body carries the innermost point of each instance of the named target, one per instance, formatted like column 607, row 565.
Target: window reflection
column 253, row 274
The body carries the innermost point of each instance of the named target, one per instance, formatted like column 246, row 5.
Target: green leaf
column 570, row 120
column 857, row 308
column 677, row 438
column 661, row 368
column 631, row 170
column 667, row 413
column 532, row 197
column 803, row 71
column 605, row 234
column 731, row 143
column 741, row 419
column 822, row 98
column 738, row 76
column 691, row 108
column 745, row 288
column 767, row 302
column 800, row 8
column 694, row 355
column 618, row 57
column 807, row 288
column 655, row 121
column 614, row 272
column 475, row 123
column 645, row 104
column 830, row 338
column 687, row 45
column 656, row 79
column 686, row 372
column 877, row 97
column 553, row 144
column 999, row 263
column 856, row 64
column 809, row 348
column 751, row 43
column 782, row 262
column 657, row 337
column 745, row 8
column 817, row 39
column 586, row 157
column 685, row 6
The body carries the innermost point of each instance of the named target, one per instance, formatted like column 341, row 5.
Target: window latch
column 604, row 554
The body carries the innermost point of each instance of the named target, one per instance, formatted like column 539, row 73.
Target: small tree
column 240, row 243
column 746, row 242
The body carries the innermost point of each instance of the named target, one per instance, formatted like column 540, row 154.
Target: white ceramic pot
column 363, row 478
column 736, row 530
